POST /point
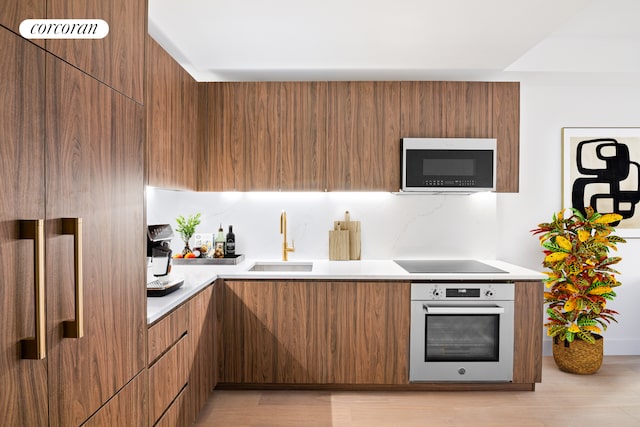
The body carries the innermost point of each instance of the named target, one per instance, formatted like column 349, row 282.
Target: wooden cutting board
column 353, row 227
column 338, row 243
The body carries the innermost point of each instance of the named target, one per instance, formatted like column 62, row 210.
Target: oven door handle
column 456, row 309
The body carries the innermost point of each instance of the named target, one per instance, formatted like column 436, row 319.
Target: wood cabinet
column 369, row 332
column 467, row 110
column 297, row 332
column 528, row 320
column 341, row 136
column 94, row 171
column 202, row 358
column 363, row 126
column 127, row 408
column 172, row 123
column 75, row 151
column 351, row 334
column 24, row 393
column 116, row 60
column 264, row 136
column 303, row 140
column 182, row 361
column 506, row 128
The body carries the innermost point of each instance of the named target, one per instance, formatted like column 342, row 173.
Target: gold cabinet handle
column 75, row 328
column 35, row 347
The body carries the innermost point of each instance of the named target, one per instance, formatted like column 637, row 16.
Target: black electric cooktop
column 447, row 266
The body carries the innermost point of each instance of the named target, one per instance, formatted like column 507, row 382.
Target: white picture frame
column 601, row 166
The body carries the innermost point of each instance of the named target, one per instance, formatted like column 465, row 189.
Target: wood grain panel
column 167, row 377
column 94, row 149
column 127, row 408
column 177, row 415
column 23, row 399
column 219, row 157
column 301, row 332
column 13, row 12
column 506, row 128
column 167, row 331
column 369, row 327
column 468, row 107
column 303, row 139
column 118, row 59
column 172, row 123
column 528, row 327
column 422, row 109
column 261, row 136
column 363, row 122
column 249, row 349
column 202, row 357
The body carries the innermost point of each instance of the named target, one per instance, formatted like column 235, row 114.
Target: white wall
column 479, row 226
column 548, row 104
column 393, row 226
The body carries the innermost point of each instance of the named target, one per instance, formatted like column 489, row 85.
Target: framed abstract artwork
column 601, row 169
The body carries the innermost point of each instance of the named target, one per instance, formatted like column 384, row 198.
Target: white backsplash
column 393, row 226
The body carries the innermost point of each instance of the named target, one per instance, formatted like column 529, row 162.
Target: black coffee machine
column 159, row 280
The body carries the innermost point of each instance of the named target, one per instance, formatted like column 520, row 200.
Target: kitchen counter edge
column 198, row 277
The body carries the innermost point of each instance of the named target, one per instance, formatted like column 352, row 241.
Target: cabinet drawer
column 178, row 414
column 166, row 332
column 167, row 377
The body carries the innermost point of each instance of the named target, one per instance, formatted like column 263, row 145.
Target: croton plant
column 581, row 280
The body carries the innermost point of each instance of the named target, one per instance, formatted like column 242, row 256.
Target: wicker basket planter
column 578, row 357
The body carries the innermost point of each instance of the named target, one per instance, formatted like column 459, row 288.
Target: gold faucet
column 283, row 230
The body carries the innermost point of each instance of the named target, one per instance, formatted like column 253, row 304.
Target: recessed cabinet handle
column 75, row 328
column 35, row 347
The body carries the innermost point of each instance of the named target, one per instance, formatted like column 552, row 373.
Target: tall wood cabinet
column 23, row 391
column 73, row 154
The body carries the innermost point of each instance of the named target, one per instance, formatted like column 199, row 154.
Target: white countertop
column 197, row 277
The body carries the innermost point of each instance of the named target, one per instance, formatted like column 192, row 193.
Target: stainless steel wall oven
column 461, row 332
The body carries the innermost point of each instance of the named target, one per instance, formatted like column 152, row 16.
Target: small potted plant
column 186, row 228
column 580, row 284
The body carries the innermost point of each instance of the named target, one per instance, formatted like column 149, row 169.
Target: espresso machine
column 160, row 280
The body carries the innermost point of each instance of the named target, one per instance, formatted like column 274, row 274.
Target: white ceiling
column 235, row 40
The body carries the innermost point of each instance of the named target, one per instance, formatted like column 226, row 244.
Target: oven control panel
column 462, row 291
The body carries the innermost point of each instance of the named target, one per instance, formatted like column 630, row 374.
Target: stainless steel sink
column 282, row 266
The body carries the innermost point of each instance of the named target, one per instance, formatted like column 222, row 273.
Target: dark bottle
column 231, row 242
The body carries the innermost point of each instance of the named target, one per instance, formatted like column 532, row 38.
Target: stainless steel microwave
column 448, row 165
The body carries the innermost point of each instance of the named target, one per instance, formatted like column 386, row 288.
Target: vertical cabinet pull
column 35, row 347
column 75, row 328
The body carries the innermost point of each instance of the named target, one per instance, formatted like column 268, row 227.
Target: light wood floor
column 611, row 397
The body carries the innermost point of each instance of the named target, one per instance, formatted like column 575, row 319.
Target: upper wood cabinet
column 303, row 136
column 172, row 123
column 264, row 136
column 363, row 136
column 446, row 110
column 116, row 60
column 344, row 136
column 506, row 128
column 467, row 110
